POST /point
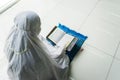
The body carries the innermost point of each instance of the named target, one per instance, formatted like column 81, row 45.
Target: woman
column 28, row 57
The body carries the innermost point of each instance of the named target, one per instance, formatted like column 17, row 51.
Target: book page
column 56, row 35
column 65, row 41
column 72, row 44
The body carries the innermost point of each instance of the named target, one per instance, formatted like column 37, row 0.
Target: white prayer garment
column 28, row 56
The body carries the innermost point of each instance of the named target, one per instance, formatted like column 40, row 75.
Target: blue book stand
column 80, row 40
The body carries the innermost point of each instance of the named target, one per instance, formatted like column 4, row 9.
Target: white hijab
column 28, row 57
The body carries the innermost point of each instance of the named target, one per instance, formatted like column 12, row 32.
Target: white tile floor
column 99, row 19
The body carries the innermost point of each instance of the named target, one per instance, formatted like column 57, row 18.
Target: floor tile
column 118, row 52
column 70, row 13
column 102, row 27
column 115, row 71
column 39, row 6
column 90, row 65
column 3, row 69
column 1, row 50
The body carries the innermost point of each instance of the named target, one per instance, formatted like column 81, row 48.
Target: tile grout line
column 89, row 14
column 104, row 51
column 99, row 50
column 112, row 61
column 117, row 58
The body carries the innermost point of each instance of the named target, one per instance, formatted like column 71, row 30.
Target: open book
column 58, row 36
column 55, row 35
column 61, row 33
